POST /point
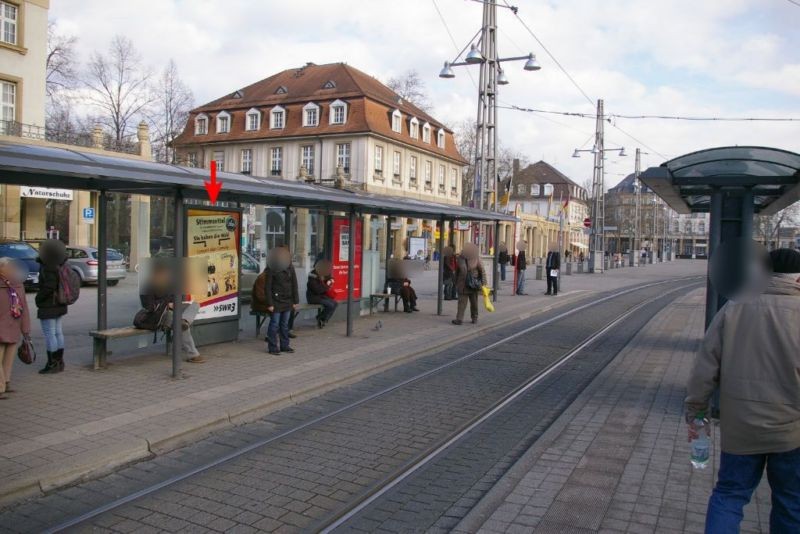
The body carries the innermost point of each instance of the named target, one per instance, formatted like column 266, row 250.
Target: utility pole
column 597, row 234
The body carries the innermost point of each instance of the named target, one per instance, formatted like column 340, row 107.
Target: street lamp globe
column 532, row 63
column 594, row 150
column 502, row 79
column 474, row 55
column 447, row 71
column 622, row 152
column 576, row 154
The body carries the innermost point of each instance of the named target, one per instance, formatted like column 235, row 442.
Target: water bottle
column 700, row 445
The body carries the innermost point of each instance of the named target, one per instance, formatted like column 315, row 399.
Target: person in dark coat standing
column 14, row 320
column 503, row 258
column 470, row 279
column 552, row 265
column 282, row 298
column 52, row 254
column 521, row 265
column 449, row 268
column 318, row 291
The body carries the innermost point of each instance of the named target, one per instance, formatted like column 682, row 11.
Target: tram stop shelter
column 732, row 184
column 41, row 166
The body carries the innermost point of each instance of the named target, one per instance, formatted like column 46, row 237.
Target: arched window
column 223, row 122
column 548, row 189
column 413, row 128
column 397, row 121
column 426, row 133
column 201, row 124
column 311, row 114
column 440, row 138
column 252, row 120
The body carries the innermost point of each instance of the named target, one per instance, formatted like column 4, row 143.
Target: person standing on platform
column 15, row 322
column 552, row 265
column 503, row 260
column 50, row 311
column 751, row 352
column 521, row 265
column 449, row 268
column 282, row 297
column 471, row 277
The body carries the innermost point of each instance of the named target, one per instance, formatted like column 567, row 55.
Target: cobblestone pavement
column 60, row 428
column 295, row 482
column 617, row 460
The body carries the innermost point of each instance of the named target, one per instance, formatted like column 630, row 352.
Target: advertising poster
column 213, row 252
column 341, row 249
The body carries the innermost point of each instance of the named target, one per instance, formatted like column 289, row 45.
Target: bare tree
column 119, row 87
column 173, row 101
column 60, row 62
column 410, row 87
column 768, row 227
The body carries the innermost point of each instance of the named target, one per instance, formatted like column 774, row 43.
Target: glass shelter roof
column 686, row 182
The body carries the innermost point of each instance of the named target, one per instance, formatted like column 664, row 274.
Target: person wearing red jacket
column 319, row 290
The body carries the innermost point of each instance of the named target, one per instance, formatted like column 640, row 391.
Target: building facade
column 332, row 125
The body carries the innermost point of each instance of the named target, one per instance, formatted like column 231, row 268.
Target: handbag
column 26, row 351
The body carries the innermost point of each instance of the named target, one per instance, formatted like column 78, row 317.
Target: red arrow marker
column 213, row 187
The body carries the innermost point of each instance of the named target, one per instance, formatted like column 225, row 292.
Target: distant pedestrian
column 449, row 268
column 751, row 351
column 552, row 265
column 470, row 278
column 15, row 320
column 281, row 297
column 503, row 259
column 50, row 308
column 581, row 257
column 520, row 266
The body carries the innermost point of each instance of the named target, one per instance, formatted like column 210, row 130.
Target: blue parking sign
column 88, row 215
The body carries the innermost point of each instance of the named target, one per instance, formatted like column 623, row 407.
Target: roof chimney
column 515, row 167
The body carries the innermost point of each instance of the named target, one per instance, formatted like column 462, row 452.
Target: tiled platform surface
column 618, row 460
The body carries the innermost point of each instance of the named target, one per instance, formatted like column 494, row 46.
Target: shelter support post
column 389, row 247
column 351, row 255
column 714, row 240
column 496, row 262
column 177, row 289
column 102, row 260
column 287, row 226
column 440, row 275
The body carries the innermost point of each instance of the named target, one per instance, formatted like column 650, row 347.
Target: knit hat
column 785, row 260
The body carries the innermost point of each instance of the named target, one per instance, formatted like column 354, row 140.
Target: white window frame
column 273, row 123
column 201, row 119
column 429, row 174
column 8, row 101
column 548, row 189
column 310, row 107
column 191, row 159
column 536, row 190
column 413, row 128
column 9, row 23
column 276, row 161
column 219, row 157
column 223, row 117
column 412, row 169
column 453, row 179
column 396, row 163
column 441, row 176
column 379, row 160
column 343, row 154
column 397, row 121
column 426, row 133
column 253, row 112
column 246, row 161
column 520, row 189
column 440, row 138
column 335, row 106
column 307, row 158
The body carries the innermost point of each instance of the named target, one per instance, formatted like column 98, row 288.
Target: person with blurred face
column 470, row 279
column 15, row 320
column 50, row 312
column 319, row 290
column 282, row 297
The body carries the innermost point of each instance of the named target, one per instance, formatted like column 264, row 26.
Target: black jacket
column 52, row 255
column 522, row 263
column 280, row 289
column 316, row 287
column 553, row 261
column 503, row 257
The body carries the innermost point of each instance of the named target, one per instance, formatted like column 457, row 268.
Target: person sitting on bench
column 401, row 285
column 319, row 290
column 156, row 312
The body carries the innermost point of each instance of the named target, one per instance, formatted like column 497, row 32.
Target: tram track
column 319, row 428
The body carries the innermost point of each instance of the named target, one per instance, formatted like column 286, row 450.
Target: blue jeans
column 503, row 272
column 739, row 476
column 328, row 308
column 278, row 331
column 53, row 336
column 520, row 282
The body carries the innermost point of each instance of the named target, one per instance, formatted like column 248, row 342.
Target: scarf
column 13, row 297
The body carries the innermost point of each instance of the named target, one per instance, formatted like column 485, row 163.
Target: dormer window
column 330, row 84
column 338, row 112
column 440, row 138
column 548, row 189
column 201, row 124
column 253, row 120
column 311, row 114
column 277, row 118
column 397, row 121
column 535, row 190
column 238, row 94
column 413, row 128
column 282, row 90
column 223, row 122
column 426, row 133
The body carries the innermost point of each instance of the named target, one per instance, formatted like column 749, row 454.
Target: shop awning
column 579, row 245
column 73, row 169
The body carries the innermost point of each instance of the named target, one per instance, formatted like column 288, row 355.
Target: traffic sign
column 587, row 222
column 88, row 215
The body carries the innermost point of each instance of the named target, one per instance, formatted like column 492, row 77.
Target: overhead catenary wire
column 654, row 117
column 452, row 39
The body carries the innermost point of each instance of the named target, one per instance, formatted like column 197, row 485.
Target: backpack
column 69, row 286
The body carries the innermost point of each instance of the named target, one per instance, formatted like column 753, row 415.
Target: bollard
column 539, row 272
column 569, row 269
column 605, row 263
column 580, row 267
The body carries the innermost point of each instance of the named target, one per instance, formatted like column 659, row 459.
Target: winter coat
column 461, row 276
column 317, row 287
column 52, row 254
column 522, row 262
column 503, row 257
column 752, row 351
column 553, row 261
column 280, row 289
column 11, row 329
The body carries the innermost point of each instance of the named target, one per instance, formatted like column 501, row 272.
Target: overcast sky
column 677, row 57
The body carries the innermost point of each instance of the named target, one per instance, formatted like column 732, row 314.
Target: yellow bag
column 487, row 298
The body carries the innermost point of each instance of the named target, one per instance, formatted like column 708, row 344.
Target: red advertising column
column 340, row 252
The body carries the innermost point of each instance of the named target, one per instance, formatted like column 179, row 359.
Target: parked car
column 25, row 256
column 84, row 261
column 250, row 271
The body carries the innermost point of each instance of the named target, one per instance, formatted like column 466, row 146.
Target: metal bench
column 376, row 298
column 261, row 317
column 101, row 338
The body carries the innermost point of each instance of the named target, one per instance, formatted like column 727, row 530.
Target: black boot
column 51, row 366
column 60, row 359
